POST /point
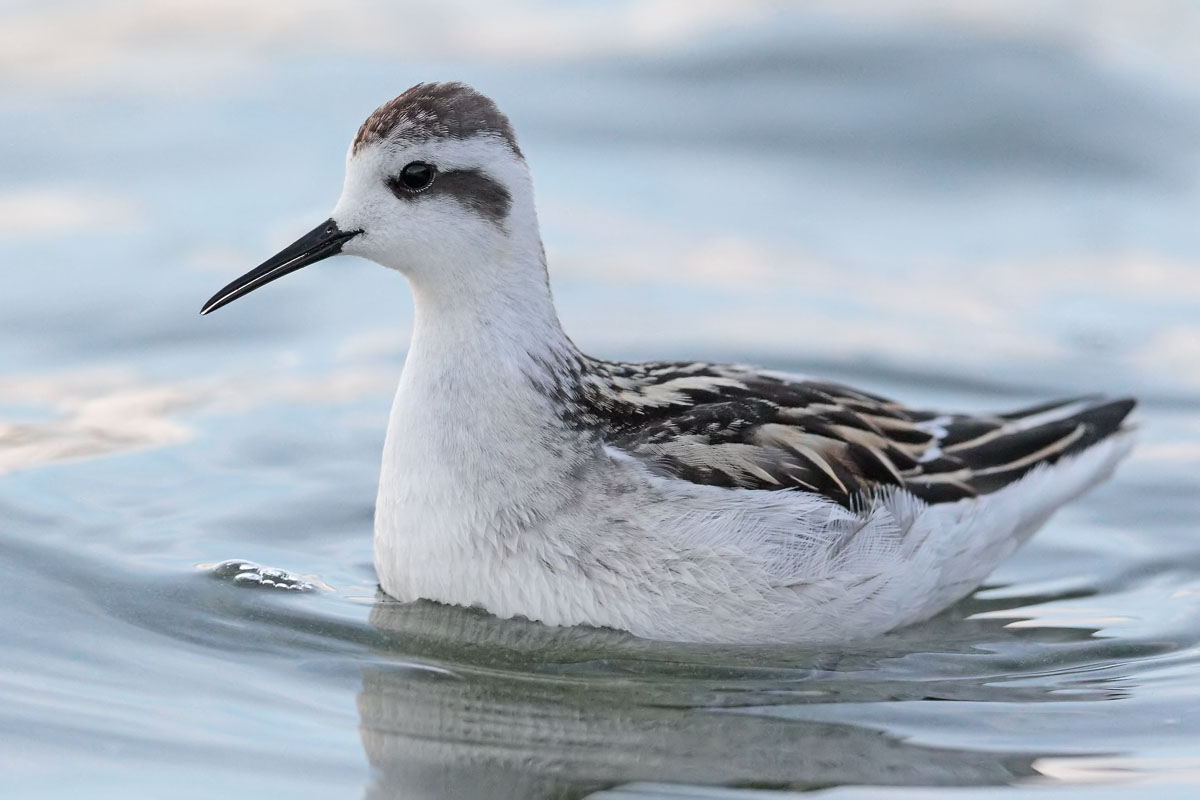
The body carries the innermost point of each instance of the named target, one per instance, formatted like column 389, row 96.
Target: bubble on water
column 248, row 573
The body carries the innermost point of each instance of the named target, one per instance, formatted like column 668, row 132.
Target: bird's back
column 739, row 427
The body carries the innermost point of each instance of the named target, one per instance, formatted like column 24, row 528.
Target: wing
column 733, row 427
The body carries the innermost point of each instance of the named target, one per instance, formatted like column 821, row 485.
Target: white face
column 454, row 215
column 479, row 196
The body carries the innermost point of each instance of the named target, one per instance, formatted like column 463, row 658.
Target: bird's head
column 436, row 187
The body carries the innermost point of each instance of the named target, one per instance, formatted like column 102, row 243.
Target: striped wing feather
column 733, row 427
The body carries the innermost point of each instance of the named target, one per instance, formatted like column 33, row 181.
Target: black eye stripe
column 469, row 187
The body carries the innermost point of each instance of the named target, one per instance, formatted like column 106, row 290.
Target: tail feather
column 1053, row 405
column 1011, row 456
column 979, row 455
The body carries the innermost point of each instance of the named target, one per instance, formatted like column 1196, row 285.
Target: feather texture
column 735, row 426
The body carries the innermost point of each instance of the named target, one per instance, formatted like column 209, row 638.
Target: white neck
column 498, row 307
column 484, row 328
column 468, row 446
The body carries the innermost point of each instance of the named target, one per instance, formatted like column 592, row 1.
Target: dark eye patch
column 470, row 188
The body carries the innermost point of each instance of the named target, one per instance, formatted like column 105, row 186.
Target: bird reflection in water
column 480, row 707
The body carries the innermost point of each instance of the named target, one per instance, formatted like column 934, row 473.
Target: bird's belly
column 646, row 572
column 669, row 560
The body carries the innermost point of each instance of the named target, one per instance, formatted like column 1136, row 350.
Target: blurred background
column 967, row 204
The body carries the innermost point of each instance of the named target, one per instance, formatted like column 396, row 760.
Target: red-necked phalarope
column 686, row 501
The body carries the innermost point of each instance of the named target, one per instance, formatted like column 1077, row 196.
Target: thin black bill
column 321, row 242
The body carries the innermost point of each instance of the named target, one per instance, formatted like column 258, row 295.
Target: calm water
column 971, row 210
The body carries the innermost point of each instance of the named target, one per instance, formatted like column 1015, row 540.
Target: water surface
column 963, row 210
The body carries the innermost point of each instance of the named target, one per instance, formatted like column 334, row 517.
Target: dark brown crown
column 436, row 111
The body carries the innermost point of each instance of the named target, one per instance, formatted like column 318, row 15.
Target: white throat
column 468, row 457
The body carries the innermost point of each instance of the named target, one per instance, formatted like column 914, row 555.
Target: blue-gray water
column 973, row 208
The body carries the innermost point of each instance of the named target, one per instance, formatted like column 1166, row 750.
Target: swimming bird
column 687, row 501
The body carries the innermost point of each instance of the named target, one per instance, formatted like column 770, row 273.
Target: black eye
column 417, row 176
